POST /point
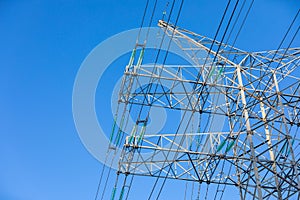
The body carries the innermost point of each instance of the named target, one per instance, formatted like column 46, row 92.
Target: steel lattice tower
column 258, row 94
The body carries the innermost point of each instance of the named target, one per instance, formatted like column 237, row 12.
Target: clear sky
column 43, row 44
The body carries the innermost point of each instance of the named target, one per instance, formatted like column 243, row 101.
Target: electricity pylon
column 256, row 94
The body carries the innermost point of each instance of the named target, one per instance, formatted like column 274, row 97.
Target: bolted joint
column 250, row 132
column 127, row 173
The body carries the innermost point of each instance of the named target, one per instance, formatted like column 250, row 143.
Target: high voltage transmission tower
column 253, row 96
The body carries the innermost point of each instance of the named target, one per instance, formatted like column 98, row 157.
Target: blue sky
column 43, row 44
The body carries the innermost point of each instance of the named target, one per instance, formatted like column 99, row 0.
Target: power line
column 185, row 111
column 235, row 110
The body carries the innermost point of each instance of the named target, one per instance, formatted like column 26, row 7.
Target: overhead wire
column 184, row 114
column 278, row 48
column 239, row 31
column 199, row 77
column 270, row 72
column 104, row 165
column 157, row 56
column 165, row 57
column 243, row 22
column 144, row 99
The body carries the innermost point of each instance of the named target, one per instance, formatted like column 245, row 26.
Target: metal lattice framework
column 257, row 94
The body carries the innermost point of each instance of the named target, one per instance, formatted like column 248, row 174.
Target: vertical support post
column 286, row 130
column 249, row 132
column 269, row 142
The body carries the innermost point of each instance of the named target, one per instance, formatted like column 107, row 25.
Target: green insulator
column 113, row 130
column 132, row 57
column 283, row 147
column 220, row 72
column 289, row 150
column 122, row 193
column 212, row 71
column 140, row 58
column 132, row 134
column 130, row 139
column 229, row 146
column 120, row 131
column 113, row 194
column 221, row 145
column 142, row 133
